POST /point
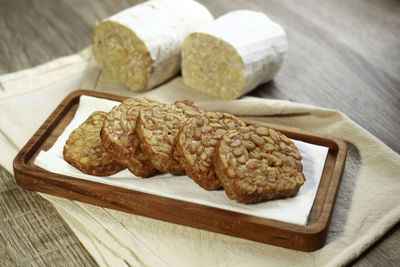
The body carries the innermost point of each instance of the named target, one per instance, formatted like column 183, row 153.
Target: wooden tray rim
column 21, row 167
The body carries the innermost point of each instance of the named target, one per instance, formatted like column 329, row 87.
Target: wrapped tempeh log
column 140, row 47
column 234, row 54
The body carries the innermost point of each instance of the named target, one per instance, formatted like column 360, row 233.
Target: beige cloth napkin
column 367, row 205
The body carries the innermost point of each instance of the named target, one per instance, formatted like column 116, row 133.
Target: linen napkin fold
column 367, row 204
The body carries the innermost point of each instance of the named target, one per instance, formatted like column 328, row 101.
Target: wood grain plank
column 32, row 233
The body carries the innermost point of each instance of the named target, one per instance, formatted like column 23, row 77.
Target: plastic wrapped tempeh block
column 234, row 54
column 140, row 47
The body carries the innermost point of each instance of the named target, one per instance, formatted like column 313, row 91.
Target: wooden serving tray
column 305, row 238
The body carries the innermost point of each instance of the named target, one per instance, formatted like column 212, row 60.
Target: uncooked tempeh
column 140, row 47
column 234, row 54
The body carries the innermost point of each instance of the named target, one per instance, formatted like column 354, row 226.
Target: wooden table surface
column 343, row 55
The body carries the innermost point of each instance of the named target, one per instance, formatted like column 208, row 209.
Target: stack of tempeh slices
column 252, row 163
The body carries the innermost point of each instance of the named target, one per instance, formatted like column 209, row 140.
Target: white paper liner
column 291, row 210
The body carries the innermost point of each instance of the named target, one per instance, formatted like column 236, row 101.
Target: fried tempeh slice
column 157, row 129
column 255, row 163
column 85, row 151
column 119, row 137
column 196, row 143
